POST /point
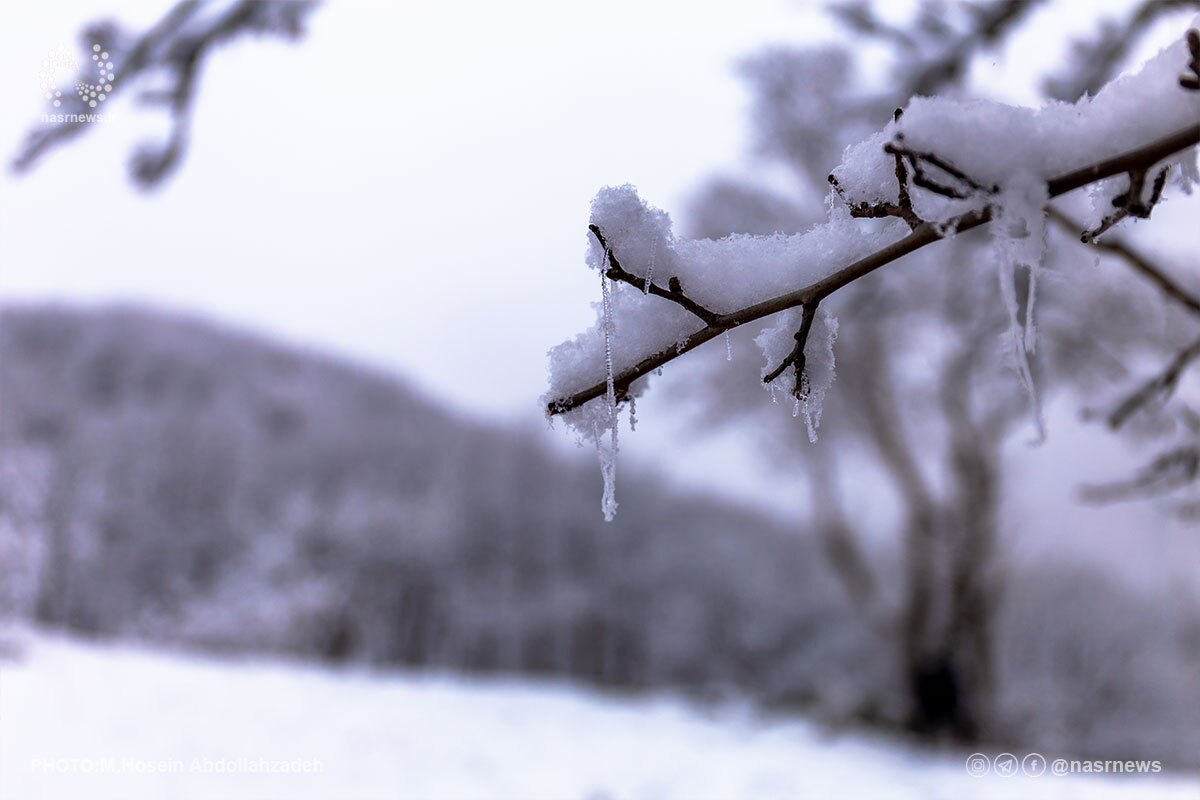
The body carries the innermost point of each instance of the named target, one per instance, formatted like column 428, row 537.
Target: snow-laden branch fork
column 938, row 168
column 1134, row 162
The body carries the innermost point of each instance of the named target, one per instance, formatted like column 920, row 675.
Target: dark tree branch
column 1170, row 470
column 859, row 17
column 1161, row 385
column 1137, row 260
column 1102, row 58
column 1190, row 80
column 991, row 23
column 1141, row 158
column 1164, row 382
column 922, row 178
column 673, row 292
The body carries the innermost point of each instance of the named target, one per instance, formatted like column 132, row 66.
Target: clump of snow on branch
column 993, row 142
column 776, row 343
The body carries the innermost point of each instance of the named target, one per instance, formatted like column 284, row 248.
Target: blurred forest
column 165, row 479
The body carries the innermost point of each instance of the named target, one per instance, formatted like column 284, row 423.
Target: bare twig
column 902, row 209
column 1130, row 203
column 1160, row 385
column 991, row 23
column 1141, row 158
column 1137, row 260
column 1165, row 381
column 1170, row 470
column 673, row 292
column 922, row 178
column 1099, row 60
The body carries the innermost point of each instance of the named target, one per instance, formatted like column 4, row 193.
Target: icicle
column 810, row 423
column 608, row 458
column 728, row 347
column 1017, row 339
column 1030, row 302
column 632, row 413
column 796, row 408
column 608, row 469
column 812, row 408
column 650, row 268
column 606, row 303
column 1020, row 238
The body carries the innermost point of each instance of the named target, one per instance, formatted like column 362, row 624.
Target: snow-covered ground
column 104, row 721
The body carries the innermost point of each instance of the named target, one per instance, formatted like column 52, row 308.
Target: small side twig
column 796, row 358
column 1171, row 470
column 1130, row 202
column 1137, row 260
column 1161, row 385
column 673, row 292
column 919, row 160
column 902, row 209
column 1165, row 381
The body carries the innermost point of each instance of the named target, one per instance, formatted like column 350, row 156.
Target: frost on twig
column 811, row 360
column 1132, row 202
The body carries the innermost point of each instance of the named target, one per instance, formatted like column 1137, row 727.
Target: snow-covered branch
column 925, row 233
column 938, row 168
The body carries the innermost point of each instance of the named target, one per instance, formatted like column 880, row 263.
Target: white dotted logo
column 60, row 61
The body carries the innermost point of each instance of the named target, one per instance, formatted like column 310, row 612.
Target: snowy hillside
column 101, row 721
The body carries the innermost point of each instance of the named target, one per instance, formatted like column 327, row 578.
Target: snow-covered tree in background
column 921, row 346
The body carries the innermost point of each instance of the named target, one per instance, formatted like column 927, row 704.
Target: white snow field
column 97, row 721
